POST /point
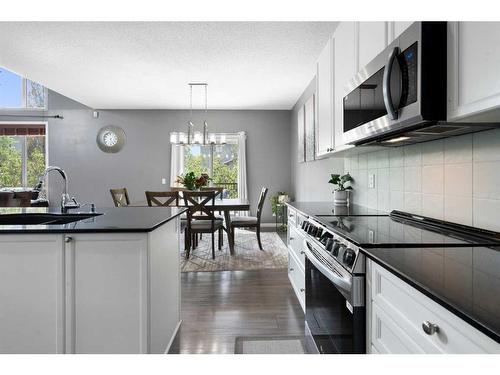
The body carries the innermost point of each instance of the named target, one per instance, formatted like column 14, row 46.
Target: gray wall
column 310, row 179
column 145, row 159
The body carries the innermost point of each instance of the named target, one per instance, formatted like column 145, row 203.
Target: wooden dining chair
column 162, row 198
column 201, row 219
column 218, row 190
column 120, row 197
column 250, row 221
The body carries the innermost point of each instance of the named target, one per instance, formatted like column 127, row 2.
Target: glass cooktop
column 386, row 231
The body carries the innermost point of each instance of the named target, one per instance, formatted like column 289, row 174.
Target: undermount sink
column 44, row 218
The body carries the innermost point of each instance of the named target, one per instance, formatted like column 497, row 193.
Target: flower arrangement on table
column 193, row 182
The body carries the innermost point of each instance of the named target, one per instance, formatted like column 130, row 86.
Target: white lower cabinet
column 296, row 258
column 90, row 292
column 397, row 311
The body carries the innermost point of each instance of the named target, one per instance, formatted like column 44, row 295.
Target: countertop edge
column 94, row 230
column 433, row 296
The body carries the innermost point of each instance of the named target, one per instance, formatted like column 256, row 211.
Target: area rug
column 247, row 255
column 270, row 345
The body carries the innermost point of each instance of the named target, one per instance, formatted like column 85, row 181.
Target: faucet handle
column 91, row 205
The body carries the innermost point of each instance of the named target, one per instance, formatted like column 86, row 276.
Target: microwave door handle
column 386, row 88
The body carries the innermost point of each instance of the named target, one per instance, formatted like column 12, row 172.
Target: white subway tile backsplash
column 382, row 179
column 396, row 200
column 486, row 213
column 486, row 180
column 413, row 155
column 455, row 179
column 412, row 203
column 363, row 161
column 396, row 157
column 458, row 180
column 458, row 149
column 433, row 205
column 433, row 179
column 433, row 152
column 396, row 178
column 383, row 159
column 383, row 200
column 458, row 209
column 413, row 179
column 486, row 145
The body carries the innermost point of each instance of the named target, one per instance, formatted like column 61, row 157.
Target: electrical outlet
column 163, row 181
column 371, row 181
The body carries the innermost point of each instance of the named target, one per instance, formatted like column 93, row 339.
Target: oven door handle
column 341, row 282
column 386, row 87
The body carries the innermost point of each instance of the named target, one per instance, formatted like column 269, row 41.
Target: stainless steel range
column 335, row 291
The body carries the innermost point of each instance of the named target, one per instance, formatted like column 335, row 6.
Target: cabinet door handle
column 302, row 289
column 68, row 239
column 291, row 269
column 430, row 328
column 292, row 238
column 302, row 252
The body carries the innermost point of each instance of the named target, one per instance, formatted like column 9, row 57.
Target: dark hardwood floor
column 217, row 307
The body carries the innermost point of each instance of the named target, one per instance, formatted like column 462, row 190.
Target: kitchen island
column 107, row 283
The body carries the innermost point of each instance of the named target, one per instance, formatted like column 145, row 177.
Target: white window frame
column 24, row 99
column 24, row 172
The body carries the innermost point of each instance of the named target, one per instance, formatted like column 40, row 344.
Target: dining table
column 225, row 205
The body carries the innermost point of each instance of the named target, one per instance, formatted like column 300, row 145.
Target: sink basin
column 43, row 218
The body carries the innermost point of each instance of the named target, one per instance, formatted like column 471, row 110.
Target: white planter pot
column 340, row 198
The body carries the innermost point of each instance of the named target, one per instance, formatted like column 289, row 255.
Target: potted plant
column 277, row 202
column 341, row 192
column 192, row 182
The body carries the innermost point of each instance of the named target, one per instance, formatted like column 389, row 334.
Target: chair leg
column 221, row 239
column 187, row 243
column 213, row 245
column 258, row 237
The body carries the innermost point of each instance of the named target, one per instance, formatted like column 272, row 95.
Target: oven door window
column 333, row 327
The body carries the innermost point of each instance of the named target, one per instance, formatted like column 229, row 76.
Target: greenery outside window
column 220, row 162
column 22, row 154
column 17, row 92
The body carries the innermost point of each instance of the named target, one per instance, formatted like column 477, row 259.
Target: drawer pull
column 302, row 289
column 68, row 239
column 291, row 269
column 430, row 328
column 302, row 252
column 291, row 238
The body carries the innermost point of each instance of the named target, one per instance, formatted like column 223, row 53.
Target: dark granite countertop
column 328, row 208
column 465, row 280
column 123, row 219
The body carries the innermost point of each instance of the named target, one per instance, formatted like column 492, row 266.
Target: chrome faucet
column 66, row 202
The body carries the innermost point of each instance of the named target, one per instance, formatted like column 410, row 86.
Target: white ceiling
column 125, row 65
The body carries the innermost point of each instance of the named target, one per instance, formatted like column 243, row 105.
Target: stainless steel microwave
column 400, row 96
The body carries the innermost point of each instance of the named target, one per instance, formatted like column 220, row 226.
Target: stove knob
column 319, row 232
column 336, row 247
column 305, row 226
column 349, row 257
column 312, row 230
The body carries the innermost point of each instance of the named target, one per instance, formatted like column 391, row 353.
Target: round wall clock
column 111, row 139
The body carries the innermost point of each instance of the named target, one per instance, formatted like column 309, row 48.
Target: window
column 220, row 162
column 22, row 154
column 17, row 92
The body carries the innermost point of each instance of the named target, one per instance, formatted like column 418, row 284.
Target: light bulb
column 223, row 138
column 212, row 138
column 182, row 138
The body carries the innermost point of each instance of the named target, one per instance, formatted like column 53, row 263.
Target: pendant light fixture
column 192, row 136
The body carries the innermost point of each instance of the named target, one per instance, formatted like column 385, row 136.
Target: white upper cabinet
column 372, row 38
column 395, row 28
column 345, row 68
column 473, row 61
column 325, row 110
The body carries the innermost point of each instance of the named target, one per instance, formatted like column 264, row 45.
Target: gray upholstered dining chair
column 250, row 221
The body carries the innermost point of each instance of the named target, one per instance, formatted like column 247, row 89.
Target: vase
column 340, row 197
